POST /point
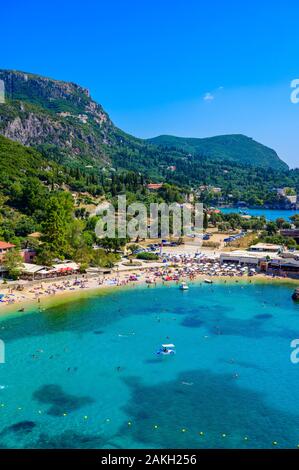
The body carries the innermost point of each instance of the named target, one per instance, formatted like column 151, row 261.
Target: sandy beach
column 41, row 293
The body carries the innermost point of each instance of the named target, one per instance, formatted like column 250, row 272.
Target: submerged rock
column 21, row 427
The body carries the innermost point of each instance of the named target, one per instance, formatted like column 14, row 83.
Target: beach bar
column 34, row 271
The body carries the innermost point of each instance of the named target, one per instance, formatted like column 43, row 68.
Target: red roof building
column 154, row 186
column 4, row 248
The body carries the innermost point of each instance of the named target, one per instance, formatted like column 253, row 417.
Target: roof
column 4, row 245
column 66, row 266
column 55, row 268
column 290, row 232
column 247, row 254
column 35, row 235
column 31, row 268
column 154, row 185
column 265, row 247
column 286, row 262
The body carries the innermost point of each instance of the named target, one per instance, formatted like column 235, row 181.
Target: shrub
column 211, row 244
column 147, row 256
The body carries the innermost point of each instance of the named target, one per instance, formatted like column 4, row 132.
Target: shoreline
column 26, row 301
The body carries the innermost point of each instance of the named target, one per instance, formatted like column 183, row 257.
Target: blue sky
column 183, row 67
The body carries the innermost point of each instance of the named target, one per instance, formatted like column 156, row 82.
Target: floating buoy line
column 155, row 427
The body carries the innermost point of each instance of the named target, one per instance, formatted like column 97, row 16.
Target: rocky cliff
column 58, row 118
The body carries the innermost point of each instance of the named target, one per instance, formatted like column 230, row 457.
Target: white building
column 245, row 257
column 266, row 247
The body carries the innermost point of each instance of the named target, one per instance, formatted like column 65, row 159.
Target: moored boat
column 184, row 286
column 166, row 350
column 295, row 295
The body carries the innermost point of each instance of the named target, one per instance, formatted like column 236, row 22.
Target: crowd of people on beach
column 174, row 267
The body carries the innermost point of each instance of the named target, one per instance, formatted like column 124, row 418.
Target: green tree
column 205, row 221
column 271, row 228
column 45, row 255
column 58, row 219
column 113, row 244
column 12, row 261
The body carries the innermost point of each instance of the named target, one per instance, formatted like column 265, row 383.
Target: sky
column 181, row 67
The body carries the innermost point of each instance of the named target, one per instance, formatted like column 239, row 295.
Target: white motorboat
column 184, row 286
column 166, row 350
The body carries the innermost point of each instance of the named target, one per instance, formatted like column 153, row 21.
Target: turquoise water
column 84, row 374
column 270, row 214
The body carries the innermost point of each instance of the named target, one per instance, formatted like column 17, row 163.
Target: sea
column 84, row 373
column 269, row 214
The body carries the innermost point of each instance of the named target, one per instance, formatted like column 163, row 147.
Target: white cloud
column 208, row 97
column 211, row 96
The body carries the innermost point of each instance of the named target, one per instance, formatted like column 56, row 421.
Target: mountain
column 58, row 118
column 237, row 148
column 63, row 122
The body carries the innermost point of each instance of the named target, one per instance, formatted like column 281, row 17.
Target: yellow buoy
column 156, row 426
column 184, row 430
column 245, row 438
column 129, row 423
column 201, row 433
column 85, row 417
column 275, row 443
column 64, row 414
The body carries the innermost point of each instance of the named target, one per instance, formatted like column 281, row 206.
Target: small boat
column 295, row 295
column 166, row 350
column 208, row 281
column 184, row 286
